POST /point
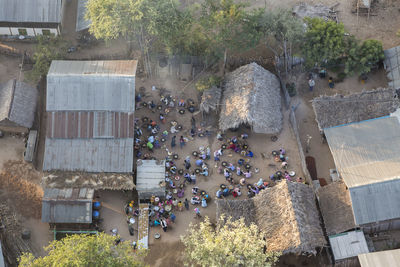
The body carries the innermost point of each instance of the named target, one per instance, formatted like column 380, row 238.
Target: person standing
column 331, row 83
column 186, row 204
column 197, row 212
column 311, row 83
column 163, row 223
column 193, row 178
column 182, row 142
column 173, row 141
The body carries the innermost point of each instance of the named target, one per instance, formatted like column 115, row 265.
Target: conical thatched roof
column 210, row 99
column 335, row 204
column 286, row 214
column 338, row 109
column 251, row 95
column 18, row 103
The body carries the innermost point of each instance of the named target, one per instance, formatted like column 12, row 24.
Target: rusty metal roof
column 90, row 124
column 67, row 205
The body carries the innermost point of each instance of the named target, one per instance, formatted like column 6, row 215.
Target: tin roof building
column 90, row 123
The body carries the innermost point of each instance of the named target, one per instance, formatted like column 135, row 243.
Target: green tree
column 324, row 41
column 87, row 250
column 151, row 23
column 362, row 58
column 227, row 26
column 282, row 32
column 230, row 243
column 47, row 49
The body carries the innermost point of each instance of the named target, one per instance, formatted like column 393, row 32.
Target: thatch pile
column 335, row 204
column 286, row 214
column 338, row 109
column 303, row 10
column 110, row 181
column 237, row 209
column 210, row 99
column 18, row 103
column 251, row 96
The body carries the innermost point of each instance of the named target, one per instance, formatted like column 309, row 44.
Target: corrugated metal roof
column 388, row 258
column 367, row 152
column 392, row 66
column 101, row 124
column 81, row 22
column 90, row 155
column 30, row 10
column 91, row 86
column 347, row 245
column 149, row 175
column 67, row 205
column 376, row 202
column 18, row 102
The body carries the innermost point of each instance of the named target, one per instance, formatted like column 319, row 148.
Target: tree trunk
column 225, row 58
column 285, row 56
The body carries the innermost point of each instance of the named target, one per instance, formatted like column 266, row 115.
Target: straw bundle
column 251, row 96
column 111, row 181
column 338, row 109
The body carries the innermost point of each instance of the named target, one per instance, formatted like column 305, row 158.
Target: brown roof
column 81, row 124
column 335, row 204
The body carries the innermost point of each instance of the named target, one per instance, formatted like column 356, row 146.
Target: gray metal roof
column 18, row 103
column 376, row 202
column 392, row 66
column 367, row 152
column 149, row 175
column 30, row 11
column 81, row 22
column 67, row 205
column 380, row 259
column 2, row 264
column 347, row 245
column 91, row 85
column 90, row 155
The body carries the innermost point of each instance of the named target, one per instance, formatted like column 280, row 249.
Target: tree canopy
column 324, row 41
column 87, row 250
column 230, row 243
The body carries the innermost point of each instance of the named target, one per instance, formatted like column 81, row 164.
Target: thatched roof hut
column 237, row 209
column 286, row 214
column 335, row 205
column 18, row 103
column 104, row 181
column 251, row 96
column 210, row 99
column 338, row 109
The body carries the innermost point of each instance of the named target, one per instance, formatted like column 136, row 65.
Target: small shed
column 17, row 106
column 380, row 259
column 30, row 148
column 81, row 22
column 150, row 178
column 392, row 66
column 251, row 96
column 348, row 245
column 210, row 99
column 335, row 205
column 67, row 205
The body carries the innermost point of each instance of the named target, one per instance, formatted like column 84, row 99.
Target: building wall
column 381, row 226
column 30, row 31
column 10, row 127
